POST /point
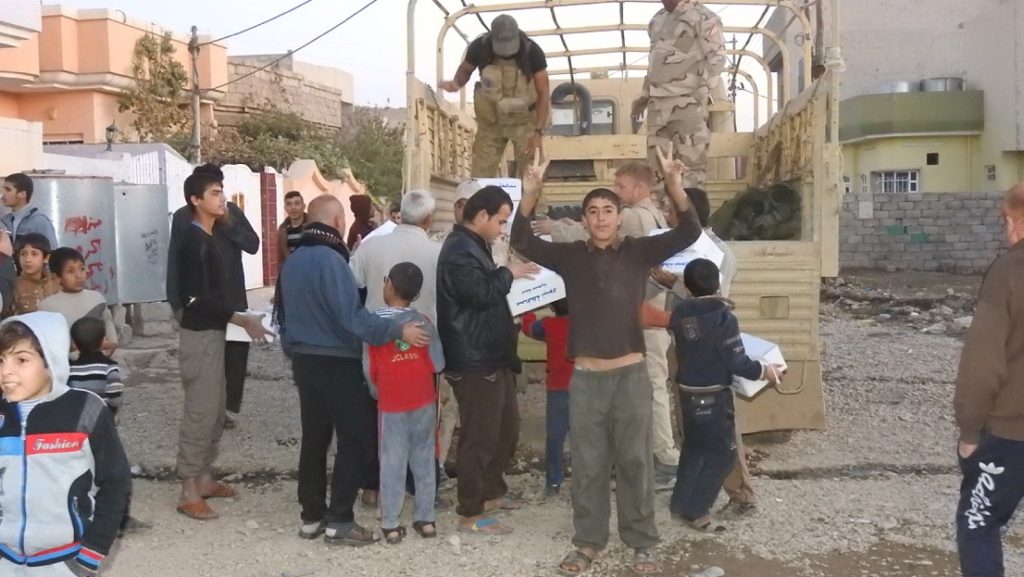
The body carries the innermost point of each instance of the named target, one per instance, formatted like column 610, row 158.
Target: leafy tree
column 375, row 151
column 157, row 98
column 366, row 145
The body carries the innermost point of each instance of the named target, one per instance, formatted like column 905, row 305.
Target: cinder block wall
column 957, row 233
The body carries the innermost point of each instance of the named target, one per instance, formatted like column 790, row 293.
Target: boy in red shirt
column 402, row 378
column 555, row 332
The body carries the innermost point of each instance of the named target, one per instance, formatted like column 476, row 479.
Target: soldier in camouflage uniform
column 686, row 59
column 511, row 101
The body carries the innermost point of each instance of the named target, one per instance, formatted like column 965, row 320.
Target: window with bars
column 895, row 181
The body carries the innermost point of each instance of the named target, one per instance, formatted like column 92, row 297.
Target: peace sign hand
column 672, row 168
column 533, row 178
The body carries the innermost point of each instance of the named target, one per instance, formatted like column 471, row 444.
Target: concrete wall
column 21, row 145
column 951, row 232
column 324, row 98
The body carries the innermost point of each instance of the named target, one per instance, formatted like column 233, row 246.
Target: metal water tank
column 948, row 84
column 142, row 234
column 82, row 211
column 899, row 86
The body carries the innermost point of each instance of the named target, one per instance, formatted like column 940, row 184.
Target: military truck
column 777, row 288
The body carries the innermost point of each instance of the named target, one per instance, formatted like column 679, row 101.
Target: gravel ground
column 872, row 495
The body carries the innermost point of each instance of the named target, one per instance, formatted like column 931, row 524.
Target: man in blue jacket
column 323, row 326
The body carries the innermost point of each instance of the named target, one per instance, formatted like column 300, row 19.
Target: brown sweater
column 29, row 292
column 605, row 287
column 990, row 383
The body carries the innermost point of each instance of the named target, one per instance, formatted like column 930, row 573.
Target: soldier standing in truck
column 512, row 100
column 686, row 59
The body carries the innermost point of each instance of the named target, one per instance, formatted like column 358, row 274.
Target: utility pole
column 195, row 142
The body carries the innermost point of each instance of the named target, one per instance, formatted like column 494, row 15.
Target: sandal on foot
column 394, row 536
column 575, row 563
column 197, row 510
column 485, row 526
column 425, row 529
column 645, row 562
column 505, row 504
column 356, row 536
column 221, row 491
column 705, row 525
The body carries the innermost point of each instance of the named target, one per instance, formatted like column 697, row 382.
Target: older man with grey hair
column 374, row 258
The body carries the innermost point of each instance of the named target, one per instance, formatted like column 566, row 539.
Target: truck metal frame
column 777, row 289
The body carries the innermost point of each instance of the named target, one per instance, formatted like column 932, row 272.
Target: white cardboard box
column 237, row 334
column 514, row 188
column 387, row 228
column 704, row 247
column 543, row 289
column 759, row 350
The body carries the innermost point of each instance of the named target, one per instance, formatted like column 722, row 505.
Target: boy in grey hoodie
column 64, row 477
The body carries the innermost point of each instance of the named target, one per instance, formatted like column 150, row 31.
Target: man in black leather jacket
column 479, row 341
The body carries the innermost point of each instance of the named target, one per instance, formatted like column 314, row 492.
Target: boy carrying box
column 65, row 477
column 710, row 353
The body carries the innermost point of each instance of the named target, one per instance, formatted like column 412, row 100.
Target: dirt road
column 873, row 495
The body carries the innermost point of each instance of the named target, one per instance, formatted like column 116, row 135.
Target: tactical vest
column 504, row 96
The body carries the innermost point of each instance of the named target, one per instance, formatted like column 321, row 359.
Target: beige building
column 319, row 94
column 60, row 81
column 932, row 126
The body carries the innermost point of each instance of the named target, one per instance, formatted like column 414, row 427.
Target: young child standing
column 65, row 476
column 554, row 331
column 35, row 282
column 403, row 378
column 710, row 353
column 94, row 371
column 97, row 373
column 74, row 301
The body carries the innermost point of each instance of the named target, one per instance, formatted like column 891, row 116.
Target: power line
column 254, row 26
column 291, row 52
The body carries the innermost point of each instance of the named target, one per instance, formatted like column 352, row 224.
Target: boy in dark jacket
column 402, row 377
column 65, row 477
column 710, row 353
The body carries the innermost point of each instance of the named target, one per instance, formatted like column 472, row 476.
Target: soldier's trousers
column 682, row 121
column 489, row 147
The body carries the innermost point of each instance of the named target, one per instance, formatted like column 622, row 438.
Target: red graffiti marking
column 81, row 224
column 93, row 271
column 95, row 248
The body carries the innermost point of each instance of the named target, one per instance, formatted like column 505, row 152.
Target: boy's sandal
column 425, row 529
column 357, row 536
column 645, row 562
column 505, row 504
column 485, row 526
column 197, row 510
column 706, row 525
column 221, row 491
column 394, row 536
column 575, row 563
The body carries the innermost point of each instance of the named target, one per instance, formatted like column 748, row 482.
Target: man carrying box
column 610, row 404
